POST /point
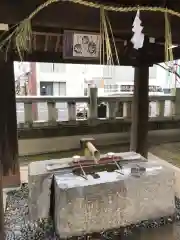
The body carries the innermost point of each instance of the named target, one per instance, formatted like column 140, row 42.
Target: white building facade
column 168, row 80
column 73, row 79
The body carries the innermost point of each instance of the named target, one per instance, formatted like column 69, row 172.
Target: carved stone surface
column 150, row 195
column 82, row 206
column 113, row 200
column 39, row 196
column 40, row 180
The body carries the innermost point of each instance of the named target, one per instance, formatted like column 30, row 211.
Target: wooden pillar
column 8, row 126
column 140, row 111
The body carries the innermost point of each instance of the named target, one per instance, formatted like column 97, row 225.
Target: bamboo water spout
column 90, row 151
column 93, row 151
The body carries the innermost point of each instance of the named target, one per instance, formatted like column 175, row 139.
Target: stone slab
column 39, row 196
column 152, row 158
column 40, row 181
column 150, row 196
column 113, row 200
column 4, row 200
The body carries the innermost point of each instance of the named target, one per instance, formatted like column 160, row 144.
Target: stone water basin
column 114, row 199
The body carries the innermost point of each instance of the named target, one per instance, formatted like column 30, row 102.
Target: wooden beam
column 74, row 16
column 56, row 57
column 127, row 54
column 139, row 128
column 160, row 57
column 8, row 126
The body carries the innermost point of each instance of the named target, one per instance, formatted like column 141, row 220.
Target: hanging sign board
column 81, row 45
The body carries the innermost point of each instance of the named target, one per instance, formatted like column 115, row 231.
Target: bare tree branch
column 158, row 64
column 170, row 69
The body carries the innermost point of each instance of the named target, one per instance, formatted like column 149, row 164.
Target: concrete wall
column 34, row 146
column 62, row 137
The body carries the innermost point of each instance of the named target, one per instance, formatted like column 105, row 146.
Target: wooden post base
column 11, row 181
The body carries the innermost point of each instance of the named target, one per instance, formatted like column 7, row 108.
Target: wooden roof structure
column 50, row 24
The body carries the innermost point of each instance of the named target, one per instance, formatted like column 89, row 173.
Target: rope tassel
column 169, row 58
column 168, row 40
column 105, row 38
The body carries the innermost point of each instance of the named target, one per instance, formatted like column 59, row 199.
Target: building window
column 59, row 88
column 59, row 67
column 46, row 67
column 111, row 88
column 46, row 89
column 108, row 71
column 86, row 92
column 127, row 88
column 52, row 67
column 53, row 88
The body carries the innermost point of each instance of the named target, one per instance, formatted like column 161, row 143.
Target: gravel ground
column 18, row 227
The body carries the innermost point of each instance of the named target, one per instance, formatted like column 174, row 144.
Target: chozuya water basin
column 116, row 202
column 18, row 226
column 114, row 199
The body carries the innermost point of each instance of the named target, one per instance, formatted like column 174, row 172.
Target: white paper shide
column 138, row 37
